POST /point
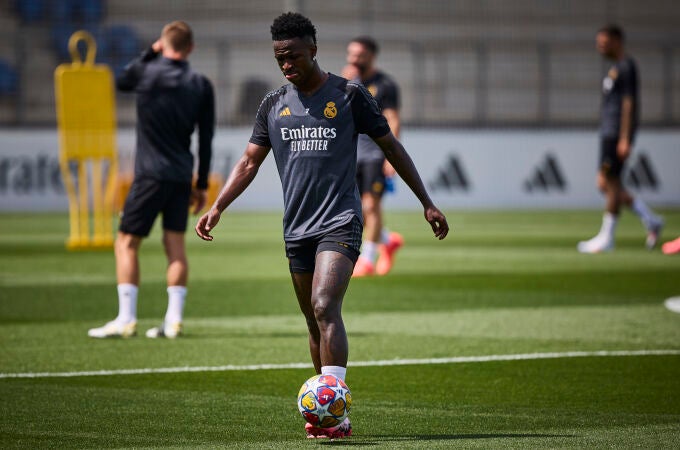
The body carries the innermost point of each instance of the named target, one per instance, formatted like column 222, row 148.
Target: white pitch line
column 386, row 362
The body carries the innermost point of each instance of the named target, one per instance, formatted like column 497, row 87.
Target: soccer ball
column 324, row 401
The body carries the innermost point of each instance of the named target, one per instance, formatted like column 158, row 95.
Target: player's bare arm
column 239, row 179
column 624, row 147
column 403, row 164
column 393, row 120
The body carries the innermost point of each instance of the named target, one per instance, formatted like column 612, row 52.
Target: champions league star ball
column 324, row 401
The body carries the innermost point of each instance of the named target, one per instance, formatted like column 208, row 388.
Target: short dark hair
column 368, row 42
column 292, row 25
column 179, row 35
column 613, row 31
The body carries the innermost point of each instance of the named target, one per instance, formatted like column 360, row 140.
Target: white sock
column 127, row 303
column 384, row 236
column 369, row 251
column 176, row 297
column 608, row 228
column 337, row 371
column 642, row 210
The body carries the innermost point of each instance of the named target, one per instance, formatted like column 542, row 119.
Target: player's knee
column 325, row 310
column 126, row 243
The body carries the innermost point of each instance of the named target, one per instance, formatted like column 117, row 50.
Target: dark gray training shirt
column 172, row 100
column 621, row 81
column 314, row 140
column 386, row 94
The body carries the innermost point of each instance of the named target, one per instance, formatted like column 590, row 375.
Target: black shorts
column 345, row 239
column 147, row 198
column 610, row 163
column 370, row 177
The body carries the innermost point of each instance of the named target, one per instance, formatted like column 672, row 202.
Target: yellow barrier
column 87, row 149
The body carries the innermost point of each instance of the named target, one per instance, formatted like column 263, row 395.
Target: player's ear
column 312, row 51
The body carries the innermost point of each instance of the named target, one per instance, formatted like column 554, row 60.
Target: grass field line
column 377, row 363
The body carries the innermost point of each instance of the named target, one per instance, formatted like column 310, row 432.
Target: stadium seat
column 9, row 79
column 122, row 44
column 86, row 12
column 31, row 10
column 90, row 11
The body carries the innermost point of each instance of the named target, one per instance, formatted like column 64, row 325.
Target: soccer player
column 172, row 100
column 379, row 244
column 311, row 126
column 619, row 119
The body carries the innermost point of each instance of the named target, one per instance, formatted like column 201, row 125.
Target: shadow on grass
column 378, row 439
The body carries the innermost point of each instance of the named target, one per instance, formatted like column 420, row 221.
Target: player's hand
column 350, row 72
column 623, row 149
column 206, row 223
column 437, row 221
column 388, row 169
column 198, row 199
column 157, row 46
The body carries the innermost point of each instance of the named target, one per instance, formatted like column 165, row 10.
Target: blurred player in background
column 172, row 100
column 379, row 244
column 311, row 126
column 619, row 120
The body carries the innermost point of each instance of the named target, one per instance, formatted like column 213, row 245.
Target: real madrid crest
column 373, row 90
column 330, row 111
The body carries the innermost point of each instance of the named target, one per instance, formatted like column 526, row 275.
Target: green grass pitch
column 502, row 283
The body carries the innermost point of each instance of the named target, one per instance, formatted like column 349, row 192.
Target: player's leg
column 301, row 260
column 336, row 254
column 302, row 283
column 652, row 222
column 390, row 242
column 175, row 215
column 371, row 183
column 139, row 213
column 370, row 205
column 331, row 278
column 608, row 182
column 176, row 274
column 126, row 250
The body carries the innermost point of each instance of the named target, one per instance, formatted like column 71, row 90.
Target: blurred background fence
column 460, row 63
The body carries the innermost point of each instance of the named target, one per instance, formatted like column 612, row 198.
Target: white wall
column 462, row 169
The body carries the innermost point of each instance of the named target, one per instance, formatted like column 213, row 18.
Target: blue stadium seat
column 122, row 44
column 61, row 11
column 31, row 10
column 91, row 11
column 9, row 79
column 87, row 12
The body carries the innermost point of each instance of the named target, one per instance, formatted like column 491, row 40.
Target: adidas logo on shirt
column 285, row 112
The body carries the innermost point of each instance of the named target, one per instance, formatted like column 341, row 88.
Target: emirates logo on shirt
column 308, row 138
column 330, row 111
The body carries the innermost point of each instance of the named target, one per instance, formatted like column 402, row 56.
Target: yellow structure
column 87, row 144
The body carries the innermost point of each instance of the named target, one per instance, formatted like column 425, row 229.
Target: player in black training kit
column 380, row 245
column 311, row 125
column 619, row 119
column 172, row 100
